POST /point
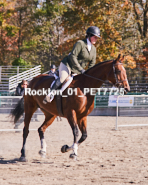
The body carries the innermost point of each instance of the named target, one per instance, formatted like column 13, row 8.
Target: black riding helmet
column 53, row 66
column 93, row 30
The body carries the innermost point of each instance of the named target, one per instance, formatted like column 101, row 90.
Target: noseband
column 115, row 75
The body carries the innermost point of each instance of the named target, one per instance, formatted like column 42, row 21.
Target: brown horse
column 75, row 107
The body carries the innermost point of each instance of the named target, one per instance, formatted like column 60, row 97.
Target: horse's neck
column 99, row 72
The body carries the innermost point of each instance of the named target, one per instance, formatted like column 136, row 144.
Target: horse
column 76, row 107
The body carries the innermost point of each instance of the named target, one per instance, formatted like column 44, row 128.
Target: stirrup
column 45, row 101
column 50, row 97
column 53, row 89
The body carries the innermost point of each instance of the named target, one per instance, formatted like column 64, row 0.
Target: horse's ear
column 120, row 58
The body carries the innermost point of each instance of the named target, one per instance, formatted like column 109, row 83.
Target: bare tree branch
column 137, row 18
column 141, row 3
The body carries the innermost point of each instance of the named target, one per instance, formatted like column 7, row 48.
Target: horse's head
column 118, row 75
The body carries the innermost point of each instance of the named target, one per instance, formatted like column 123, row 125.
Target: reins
column 104, row 81
column 115, row 75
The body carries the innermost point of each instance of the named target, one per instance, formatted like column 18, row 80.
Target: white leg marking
column 75, row 148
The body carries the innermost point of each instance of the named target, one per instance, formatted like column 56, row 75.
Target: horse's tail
column 18, row 110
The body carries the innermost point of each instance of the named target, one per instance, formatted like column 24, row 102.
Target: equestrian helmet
column 93, row 30
column 53, row 66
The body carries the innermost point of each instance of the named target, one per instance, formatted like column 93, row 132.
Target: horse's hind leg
column 30, row 107
column 73, row 123
column 48, row 121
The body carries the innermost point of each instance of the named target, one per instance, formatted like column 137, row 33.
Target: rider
column 52, row 71
column 83, row 53
column 21, row 88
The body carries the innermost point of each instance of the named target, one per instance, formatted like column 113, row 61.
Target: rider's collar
column 89, row 44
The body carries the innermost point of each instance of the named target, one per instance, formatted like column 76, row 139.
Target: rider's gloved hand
column 82, row 71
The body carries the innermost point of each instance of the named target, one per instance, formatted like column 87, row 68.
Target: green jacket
column 80, row 57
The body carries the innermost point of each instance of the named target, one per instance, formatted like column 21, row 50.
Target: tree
column 140, row 11
column 48, row 32
column 7, row 32
column 106, row 15
column 25, row 22
column 123, row 26
column 17, row 27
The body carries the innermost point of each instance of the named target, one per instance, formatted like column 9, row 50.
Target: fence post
column 139, row 105
column 0, row 73
column 95, row 102
column 116, row 126
column 17, row 70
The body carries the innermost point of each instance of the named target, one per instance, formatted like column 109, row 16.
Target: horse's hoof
column 64, row 148
column 42, row 153
column 73, row 156
column 23, row 159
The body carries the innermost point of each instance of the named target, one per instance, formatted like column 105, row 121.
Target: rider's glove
column 82, row 71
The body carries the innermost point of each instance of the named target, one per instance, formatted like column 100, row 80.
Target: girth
column 59, row 99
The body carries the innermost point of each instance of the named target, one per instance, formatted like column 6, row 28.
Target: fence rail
column 10, row 76
column 27, row 75
column 7, row 103
column 8, row 71
column 101, row 101
column 141, row 101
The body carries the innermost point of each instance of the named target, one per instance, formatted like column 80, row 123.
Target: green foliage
column 20, row 62
column 11, row 30
column 29, row 44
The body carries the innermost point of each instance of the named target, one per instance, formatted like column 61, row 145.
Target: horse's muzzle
column 126, row 90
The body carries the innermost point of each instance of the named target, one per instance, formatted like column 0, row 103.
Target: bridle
column 115, row 76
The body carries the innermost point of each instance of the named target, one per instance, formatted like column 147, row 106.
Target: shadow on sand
column 11, row 161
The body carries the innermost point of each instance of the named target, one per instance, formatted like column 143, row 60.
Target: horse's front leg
column 82, row 123
column 48, row 121
column 73, row 123
column 74, row 147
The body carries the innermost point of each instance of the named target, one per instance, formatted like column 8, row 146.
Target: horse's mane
column 100, row 63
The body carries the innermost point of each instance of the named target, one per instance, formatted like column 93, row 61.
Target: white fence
column 12, row 70
column 27, row 75
column 8, row 71
column 140, row 102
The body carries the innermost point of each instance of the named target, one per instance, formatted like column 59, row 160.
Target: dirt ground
column 107, row 157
